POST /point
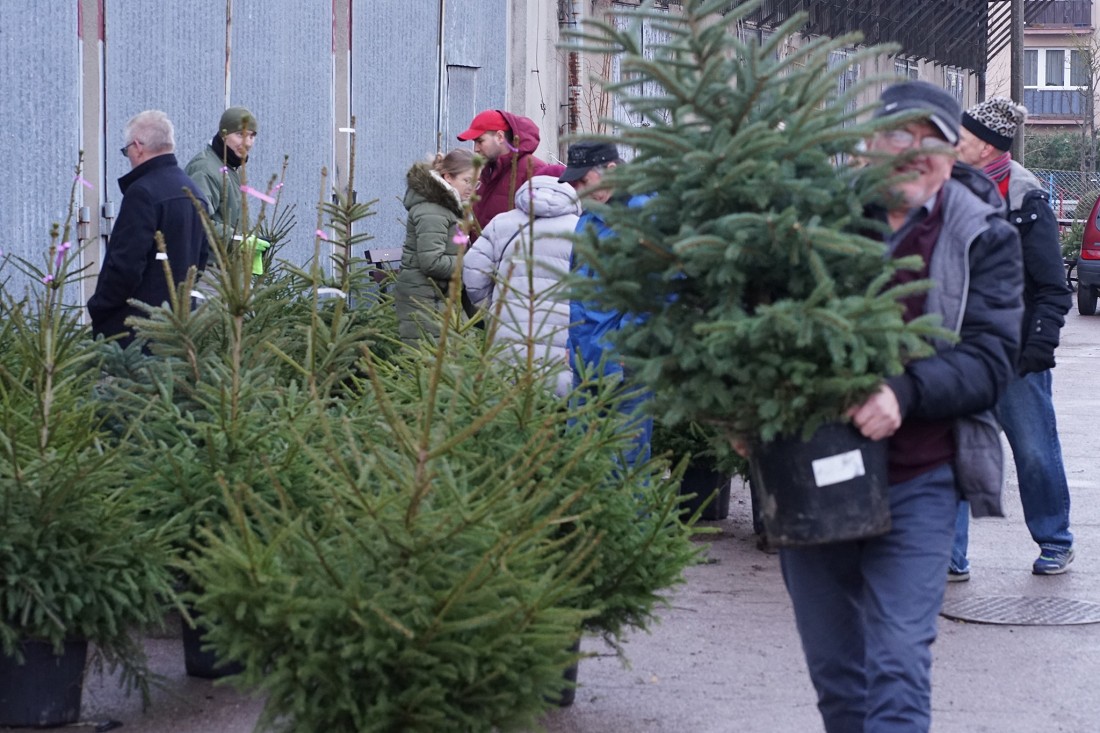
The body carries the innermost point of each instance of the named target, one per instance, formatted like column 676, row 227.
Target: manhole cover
column 1021, row 610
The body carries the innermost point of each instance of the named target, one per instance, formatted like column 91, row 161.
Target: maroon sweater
column 919, row 445
column 500, row 179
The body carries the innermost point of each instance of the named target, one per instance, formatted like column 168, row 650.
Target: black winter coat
column 1047, row 296
column 153, row 200
column 977, row 268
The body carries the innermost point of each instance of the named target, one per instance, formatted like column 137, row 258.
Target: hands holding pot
column 879, row 416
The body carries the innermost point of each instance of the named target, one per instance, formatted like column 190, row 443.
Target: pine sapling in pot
column 762, row 293
column 77, row 566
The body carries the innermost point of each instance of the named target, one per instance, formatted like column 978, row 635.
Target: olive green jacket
column 205, row 170
column 430, row 254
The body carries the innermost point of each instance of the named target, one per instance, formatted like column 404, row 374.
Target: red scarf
column 1000, row 169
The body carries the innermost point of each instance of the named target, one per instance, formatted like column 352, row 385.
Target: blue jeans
column 1026, row 413
column 866, row 611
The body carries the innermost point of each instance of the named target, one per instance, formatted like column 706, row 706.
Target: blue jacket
column 153, row 200
column 589, row 329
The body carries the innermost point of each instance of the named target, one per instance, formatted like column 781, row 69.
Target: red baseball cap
column 484, row 122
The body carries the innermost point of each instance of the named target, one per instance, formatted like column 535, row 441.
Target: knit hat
column 995, row 121
column 237, row 119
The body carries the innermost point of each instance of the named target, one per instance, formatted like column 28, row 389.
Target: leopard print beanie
column 995, row 121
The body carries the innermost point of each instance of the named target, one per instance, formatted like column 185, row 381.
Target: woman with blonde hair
column 434, row 199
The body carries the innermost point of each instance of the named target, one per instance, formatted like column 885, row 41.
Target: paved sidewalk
column 726, row 659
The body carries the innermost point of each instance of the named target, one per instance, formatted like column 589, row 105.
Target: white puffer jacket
column 515, row 269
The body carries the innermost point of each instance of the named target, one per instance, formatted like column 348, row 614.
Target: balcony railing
column 1061, row 14
column 951, row 32
column 1055, row 102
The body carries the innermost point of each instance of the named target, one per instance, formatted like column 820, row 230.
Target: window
column 846, row 81
column 906, row 68
column 752, row 33
column 1059, row 68
column 1055, row 69
column 1031, row 68
column 850, row 77
column 651, row 36
column 954, row 81
column 1079, row 72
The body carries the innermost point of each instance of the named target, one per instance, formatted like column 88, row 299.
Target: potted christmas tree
column 705, row 482
column 433, row 520
column 461, row 537
column 764, row 309
column 210, row 410
column 77, row 567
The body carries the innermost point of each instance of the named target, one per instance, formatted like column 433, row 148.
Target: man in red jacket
column 507, row 142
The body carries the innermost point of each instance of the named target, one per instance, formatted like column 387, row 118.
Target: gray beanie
column 995, row 121
column 237, row 119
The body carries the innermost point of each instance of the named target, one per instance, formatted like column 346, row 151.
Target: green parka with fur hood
column 430, row 254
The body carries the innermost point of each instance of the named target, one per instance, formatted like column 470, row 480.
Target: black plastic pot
column 831, row 488
column 702, row 481
column 569, row 691
column 45, row 690
column 198, row 661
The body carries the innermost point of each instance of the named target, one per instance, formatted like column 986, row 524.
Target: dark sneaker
column 954, row 575
column 1053, row 561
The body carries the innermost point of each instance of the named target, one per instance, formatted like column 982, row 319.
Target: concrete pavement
column 725, row 657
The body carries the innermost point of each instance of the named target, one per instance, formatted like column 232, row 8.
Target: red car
column 1088, row 264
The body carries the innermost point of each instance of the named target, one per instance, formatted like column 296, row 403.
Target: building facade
column 1061, row 63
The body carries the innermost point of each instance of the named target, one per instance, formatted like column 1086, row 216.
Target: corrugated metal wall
column 171, row 56
column 174, row 64
column 395, row 90
column 395, row 98
column 281, row 69
column 476, row 54
column 39, row 127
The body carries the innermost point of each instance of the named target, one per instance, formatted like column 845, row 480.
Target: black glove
column 1037, row 354
column 1035, row 360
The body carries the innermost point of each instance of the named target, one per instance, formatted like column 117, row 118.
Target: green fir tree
column 761, row 305
column 76, row 563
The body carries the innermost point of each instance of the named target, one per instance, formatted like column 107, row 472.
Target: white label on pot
column 841, row 467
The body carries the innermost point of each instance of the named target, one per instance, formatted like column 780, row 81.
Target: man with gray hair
column 154, row 199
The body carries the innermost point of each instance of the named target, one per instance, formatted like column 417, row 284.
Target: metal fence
column 1067, row 188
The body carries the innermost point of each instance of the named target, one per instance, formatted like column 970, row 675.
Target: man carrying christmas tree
column 1026, row 411
column 866, row 610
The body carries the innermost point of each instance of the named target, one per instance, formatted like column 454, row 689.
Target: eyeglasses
column 126, row 147
column 903, row 140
